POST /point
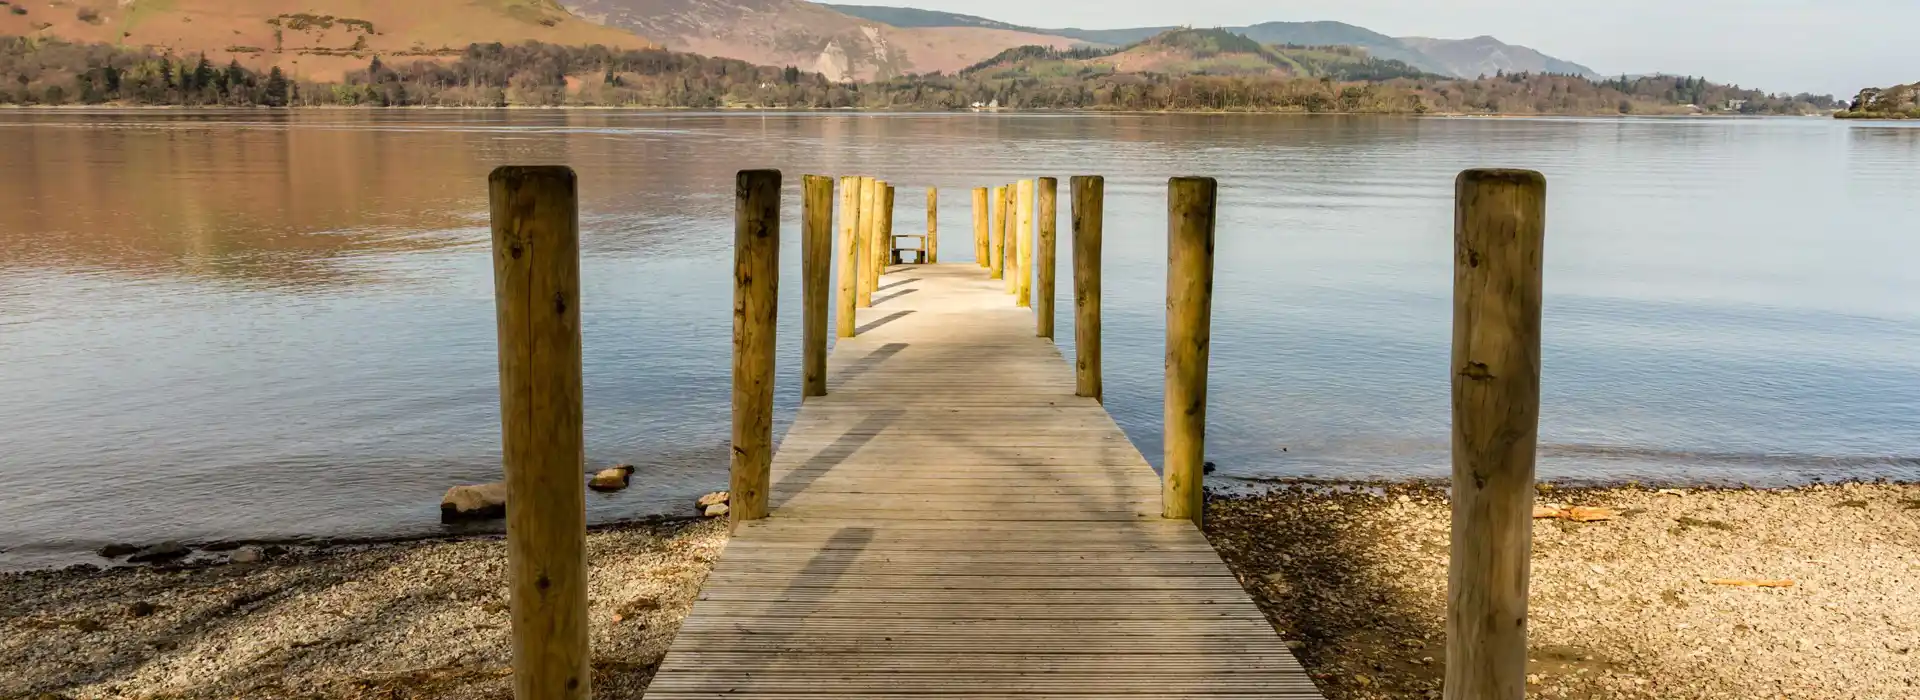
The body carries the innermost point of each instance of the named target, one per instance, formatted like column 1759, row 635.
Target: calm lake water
column 225, row 325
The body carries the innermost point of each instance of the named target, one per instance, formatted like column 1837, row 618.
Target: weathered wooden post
column 816, row 265
column 1190, row 207
column 933, row 226
column 849, row 256
column 536, row 291
column 1010, row 240
column 1499, row 230
column 1049, row 216
column 756, row 281
column 886, row 226
column 882, row 235
column 1089, row 200
column 997, row 235
column 980, row 216
column 1023, row 252
column 868, row 207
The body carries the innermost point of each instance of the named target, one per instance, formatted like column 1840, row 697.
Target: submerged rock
column 164, row 551
column 612, row 478
column 474, row 502
column 115, row 551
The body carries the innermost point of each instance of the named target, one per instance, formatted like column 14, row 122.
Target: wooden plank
column 951, row 520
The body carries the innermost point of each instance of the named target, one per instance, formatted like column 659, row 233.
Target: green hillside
column 1217, row 52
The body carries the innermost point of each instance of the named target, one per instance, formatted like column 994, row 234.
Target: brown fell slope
column 314, row 39
column 803, row 34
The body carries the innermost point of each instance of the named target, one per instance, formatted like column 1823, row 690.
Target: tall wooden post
column 1010, row 240
column 756, row 281
column 980, row 217
column 1499, row 230
column 997, row 235
column 1023, row 252
column 868, row 208
column 1049, row 218
column 1089, row 201
column 1190, row 204
column 536, row 291
column 849, row 256
column 886, row 226
column 933, row 226
column 882, row 241
column 816, row 265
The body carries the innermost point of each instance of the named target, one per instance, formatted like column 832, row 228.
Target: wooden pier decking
column 950, row 520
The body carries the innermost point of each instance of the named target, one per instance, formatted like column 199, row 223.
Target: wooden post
column 1089, row 199
column 756, row 281
column 849, row 256
column 882, row 245
column 997, row 235
column 1023, row 252
column 1049, row 216
column 980, row 217
column 1010, row 239
column 536, row 291
column 933, row 226
column 886, row 226
column 816, row 265
column 1190, row 203
column 1499, row 232
column 865, row 234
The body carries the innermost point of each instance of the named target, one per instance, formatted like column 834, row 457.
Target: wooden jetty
column 953, row 513
column 951, row 519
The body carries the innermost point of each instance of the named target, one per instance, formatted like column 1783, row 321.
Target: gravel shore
column 1619, row 609
column 413, row 619
column 1355, row 573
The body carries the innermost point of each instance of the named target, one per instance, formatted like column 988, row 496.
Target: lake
column 265, row 325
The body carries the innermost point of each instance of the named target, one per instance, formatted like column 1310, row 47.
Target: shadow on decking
column 799, row 478
column 890, row 297
column 883, row 320
column 891, row 285
column 864, row 365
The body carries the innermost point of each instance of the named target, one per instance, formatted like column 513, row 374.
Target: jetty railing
column 1499, row 230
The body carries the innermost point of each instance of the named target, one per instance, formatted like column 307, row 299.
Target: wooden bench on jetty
column 953, row 512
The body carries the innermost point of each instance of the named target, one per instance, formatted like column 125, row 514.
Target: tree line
column 47, row 72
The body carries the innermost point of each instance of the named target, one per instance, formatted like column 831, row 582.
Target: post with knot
column 536, row 289
column 1190, row 217
column 756, row 291
column 1499, row 230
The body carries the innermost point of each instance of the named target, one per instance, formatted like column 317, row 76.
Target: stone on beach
column 716, row 510
column 160, row 552
column 247, row 555
column 712, row 505
column 474, row 502
column 612, row 478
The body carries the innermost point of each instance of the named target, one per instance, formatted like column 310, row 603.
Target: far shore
column 857, row 110
column 1353, row 573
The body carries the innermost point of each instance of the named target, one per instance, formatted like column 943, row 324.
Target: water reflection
column 241, row 323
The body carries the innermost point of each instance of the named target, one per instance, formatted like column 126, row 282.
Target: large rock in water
column 612, row 478
column 475, row 502
column 164, row 551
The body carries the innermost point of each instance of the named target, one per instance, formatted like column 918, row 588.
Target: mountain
column 813, row 37
column 1485, row 55
column 1198, row 52
column 1222, row 52
column 1463, row 58
column 314, row 39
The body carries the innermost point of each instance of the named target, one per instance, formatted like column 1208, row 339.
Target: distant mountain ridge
column 1485, row 55
column 1462, row 58
column 810, row 36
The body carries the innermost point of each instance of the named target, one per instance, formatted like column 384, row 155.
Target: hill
column 314, row 39
column 813, row 37
column 1485, row 55
column 1897, row 102
column 1219, row 52
column 1463, row 58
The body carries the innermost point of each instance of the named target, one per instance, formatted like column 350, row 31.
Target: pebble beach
column 1354, row 574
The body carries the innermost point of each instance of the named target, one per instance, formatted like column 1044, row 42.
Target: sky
column 1829, row 46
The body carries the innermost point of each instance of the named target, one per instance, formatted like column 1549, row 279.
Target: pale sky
column 1830, row 46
